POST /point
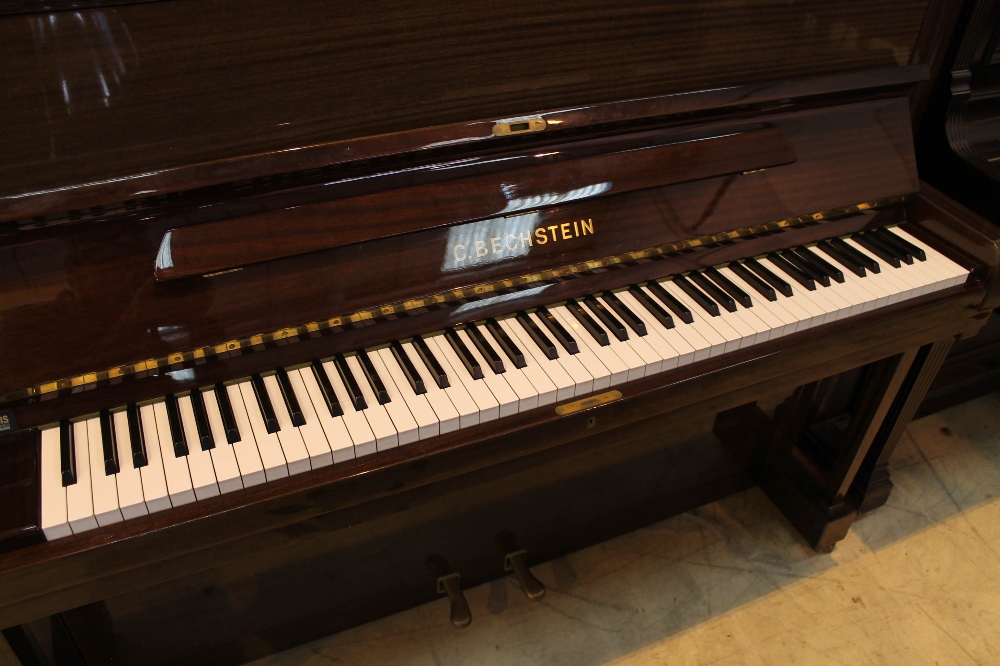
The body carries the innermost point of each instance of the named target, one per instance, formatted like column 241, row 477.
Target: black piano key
column 609, row 320
column 793, row 272
column 588, row 323
column 326, row 388
column 730, row 287
column 264, row 403
column 506, row 344
column 108, row 443
column 853, row 253
column 291, row 402
column 877, row 249
column 176, row 431
column 627, row 315
column 659, row 314
column 768, row 276
column 892, row 241
column 671, row 302
column 493, row 359
column 137, row 440
column 226, row 411
column 378, row 388
column 844, row 260
column 558, row 331
column 703, row 301
column 464, row 355
column 538, row 335
column 431, row 362
column 409, row 370
column 761, row 287
column 350, row 383
column 806, row 267
column 205, row 438
column 712, row 290
column 902, row 242
column 67, row 453
column 820, row 263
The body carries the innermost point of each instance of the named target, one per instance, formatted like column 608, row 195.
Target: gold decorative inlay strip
column 289, row 335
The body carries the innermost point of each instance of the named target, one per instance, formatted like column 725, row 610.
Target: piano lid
column 119, row 103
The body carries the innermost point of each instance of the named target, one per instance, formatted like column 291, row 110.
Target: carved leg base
column 821, row 524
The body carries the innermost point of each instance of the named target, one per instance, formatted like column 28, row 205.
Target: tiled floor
column 916, row 582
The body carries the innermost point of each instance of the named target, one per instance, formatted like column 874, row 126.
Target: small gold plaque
column 587, row 403
column 519, row 126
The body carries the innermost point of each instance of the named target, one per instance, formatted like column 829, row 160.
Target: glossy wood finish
column 137, row 92
column 542, row 176
column 99, row 274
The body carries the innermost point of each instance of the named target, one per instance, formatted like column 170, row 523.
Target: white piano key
column 407, row 426
column 175, row 468
column 778, row 322
column 959, row 274
column 54, row 520
column 901, row 289
column 419, row 408
column 103, row 485
column 452, row 405
column 533, row 370
column 365, row 441
column 79, row 496
column 386, row 436
column 583, row 381
column 520, row 379
column 313, row 434
column 510, row 401
column 656, row 336
column 634, row 352
column 336, row 436
column 601, row 362
column 131, row 500
column 294, row 449
column 252, row 467
column 268, row 444
column 488, row 406
column 224, row 460
column 154, row 483
column 711, row 328
column 199, row 461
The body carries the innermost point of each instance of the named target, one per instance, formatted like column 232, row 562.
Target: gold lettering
column 564, row 228
column 507, row 239
column 576, row 228
column 588, row 226
column 540, row 236
column 481, row 250
column 552, row 230
column 495, row 242
column 525, row 237
column 464, row 253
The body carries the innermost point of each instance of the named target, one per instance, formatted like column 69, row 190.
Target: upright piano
column 314, row 312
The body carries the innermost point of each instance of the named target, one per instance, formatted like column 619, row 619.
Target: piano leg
column 809, row 481
column 872, row 485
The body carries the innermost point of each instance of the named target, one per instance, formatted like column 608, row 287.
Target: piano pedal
column 518, row 563
column 516, row 560
column 450, row 582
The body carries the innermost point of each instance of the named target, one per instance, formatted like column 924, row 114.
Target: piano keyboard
column 188, row 447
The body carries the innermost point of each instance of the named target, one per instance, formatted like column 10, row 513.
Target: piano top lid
column 112, row 104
